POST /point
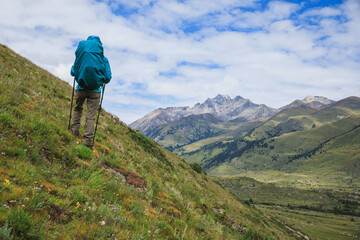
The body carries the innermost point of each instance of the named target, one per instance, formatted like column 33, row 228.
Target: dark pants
column 93, row 99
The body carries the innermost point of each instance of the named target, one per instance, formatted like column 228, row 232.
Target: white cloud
column 274, row 56
column 323, row 12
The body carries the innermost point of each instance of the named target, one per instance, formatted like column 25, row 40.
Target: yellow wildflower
column 77, row 205
column 7, row 181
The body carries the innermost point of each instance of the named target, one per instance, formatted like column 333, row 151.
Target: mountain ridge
column 314, row 102
column 173, row 127
column 222, row 107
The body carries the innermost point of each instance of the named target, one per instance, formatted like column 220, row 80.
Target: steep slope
column 128, row 188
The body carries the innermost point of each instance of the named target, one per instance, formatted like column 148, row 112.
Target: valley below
column 299, row 165
column 305, row 203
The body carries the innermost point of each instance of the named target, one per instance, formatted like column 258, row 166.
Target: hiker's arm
column 107, row 71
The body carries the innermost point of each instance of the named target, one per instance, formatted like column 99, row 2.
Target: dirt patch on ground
column 59, row 215
column 132, row 178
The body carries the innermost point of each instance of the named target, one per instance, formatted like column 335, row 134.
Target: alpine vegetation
column 127, row 187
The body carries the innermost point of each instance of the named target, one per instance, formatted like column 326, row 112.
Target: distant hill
column 295, row 139
column 129, row 187
column 315, row 102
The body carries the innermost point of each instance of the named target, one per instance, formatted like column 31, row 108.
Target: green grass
column 84, row 152
column 53, row 188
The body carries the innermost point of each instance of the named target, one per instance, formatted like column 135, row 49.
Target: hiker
column 91, row 70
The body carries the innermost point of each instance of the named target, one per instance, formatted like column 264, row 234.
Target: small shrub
column 42, row 128
column 38, row 201
column 68, row 157
column 5, row 119
column 15, row 151
column 61, row 95
column 20, row 221
column 34, row 156
column 5, row 232
column 84, row 152
column 96, row 182
column 196, row 167
column 45, row 85
column 66, row 136
column 137, row 209
column 25, row 90
column 77, row 195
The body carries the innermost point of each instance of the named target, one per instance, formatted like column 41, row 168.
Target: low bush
column 21, row 223
column 5, row 119
column 5, row 233
column 84, row 152
column 196, row 167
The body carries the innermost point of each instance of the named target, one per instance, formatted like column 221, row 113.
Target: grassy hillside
column 185, row 130
column 301, row 139
column 224, row 132
column 179, row 135
column 320, row 149
column 51, row 187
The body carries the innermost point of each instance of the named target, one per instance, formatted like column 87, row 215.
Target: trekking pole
column 97, row 120
column 72, row 98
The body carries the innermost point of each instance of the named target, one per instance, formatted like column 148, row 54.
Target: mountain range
column 231, row 132
column 218, row 109
column 177, row 126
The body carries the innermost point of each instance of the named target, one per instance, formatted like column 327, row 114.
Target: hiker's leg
column 80, row 97
column 93, row 100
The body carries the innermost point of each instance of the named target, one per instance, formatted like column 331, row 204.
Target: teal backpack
column 89, row 66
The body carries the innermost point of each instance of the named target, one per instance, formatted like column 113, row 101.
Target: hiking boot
column 75, row 133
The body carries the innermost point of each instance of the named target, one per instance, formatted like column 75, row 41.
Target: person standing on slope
column 91, row 70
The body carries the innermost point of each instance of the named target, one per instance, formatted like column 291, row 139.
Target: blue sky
column 177, row 53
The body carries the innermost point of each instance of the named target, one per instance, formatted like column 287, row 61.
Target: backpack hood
column 94, row 38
